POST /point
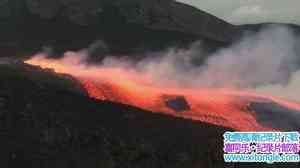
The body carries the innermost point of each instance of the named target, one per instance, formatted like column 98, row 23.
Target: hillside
column 48, row 121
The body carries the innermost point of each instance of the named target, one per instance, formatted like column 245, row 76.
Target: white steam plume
column 265, row 62
column 268, row 57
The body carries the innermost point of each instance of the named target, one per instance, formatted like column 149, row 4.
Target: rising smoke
column 265, row 62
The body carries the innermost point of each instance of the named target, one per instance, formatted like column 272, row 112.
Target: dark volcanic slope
column 126, row 26
column 47, row 121
column 44, row 125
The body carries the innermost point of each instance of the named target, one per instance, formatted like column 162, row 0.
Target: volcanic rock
column 154, row 14
column 125, row 26
column 48, row 125
column 3, row 102
column 273, row 115
column 177, row 103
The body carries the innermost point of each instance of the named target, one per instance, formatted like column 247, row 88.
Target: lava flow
column 224, row 107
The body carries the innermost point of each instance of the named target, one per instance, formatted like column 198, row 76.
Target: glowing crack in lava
column 239, row 110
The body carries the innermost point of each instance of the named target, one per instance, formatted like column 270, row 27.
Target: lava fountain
column 219, row 106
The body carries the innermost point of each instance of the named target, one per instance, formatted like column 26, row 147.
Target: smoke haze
column 266, row 62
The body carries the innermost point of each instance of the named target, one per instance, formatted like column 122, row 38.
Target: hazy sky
column 251, row 11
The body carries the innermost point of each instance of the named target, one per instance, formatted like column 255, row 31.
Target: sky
column 251, row 11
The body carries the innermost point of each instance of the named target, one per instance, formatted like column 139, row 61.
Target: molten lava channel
column 218, row 106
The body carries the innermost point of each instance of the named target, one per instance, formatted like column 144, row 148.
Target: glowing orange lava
column 224, row 107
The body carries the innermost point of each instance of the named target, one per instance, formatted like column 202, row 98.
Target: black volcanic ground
column 48, row 121
column 126, row 27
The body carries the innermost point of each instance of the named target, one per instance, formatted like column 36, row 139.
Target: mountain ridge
column 125, row 27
